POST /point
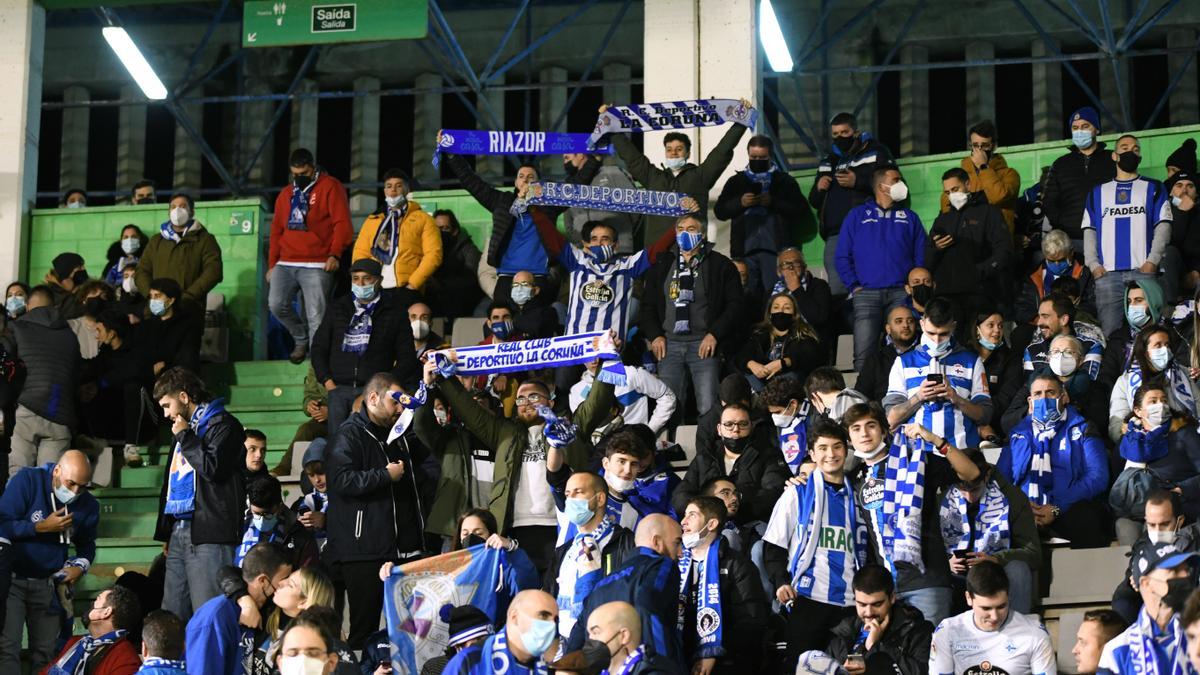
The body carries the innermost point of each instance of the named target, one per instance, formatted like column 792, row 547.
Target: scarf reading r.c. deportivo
column 642, row 117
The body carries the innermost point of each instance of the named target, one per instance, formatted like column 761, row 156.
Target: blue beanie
column 1088, row 114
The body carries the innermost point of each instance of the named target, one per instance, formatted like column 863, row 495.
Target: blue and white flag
column 605, row 198
column 514, row 357
column 417, row 598
column 713, row 112
column 471, row 142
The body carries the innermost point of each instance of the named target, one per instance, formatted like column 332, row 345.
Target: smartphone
column 756, row 188
column 960, row 554
column 936, row 378
column 857, row 659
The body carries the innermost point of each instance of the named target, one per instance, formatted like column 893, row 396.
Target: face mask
column 959, row 199
column 1160, row 536
column 1128, row 161
column 692, row 539
column 63, row 495
column 522, row 294
column 1159, row 358
column 782, row 420
column 1158, row 413
column 1178, row 591
column 759, row 165
column 936, row 349
column 922, row 294
column 158, row 307
column 441, row 416
column 301, row 182
column 472, row 540
column 675, row 163
column 180, row 216
column 263, row 523
column 144, row 200
column 1137, row 315
column 570, row 169
column 782, row 320
column 80, row 277
column 363, row 293
column 128, row 285
column 76, row 205
column 420, row 329
column 1063, row 365
column 735, row 445
column 688, row 240
column 866, row 455
column 501, row 329
column 1045, row 410
column 1176, row 201
column 602, row 253
column 578, row 510
column 898, row 191
column 131, row 245
column 596, row 655
column 1082, row 138
column 1058, row 266
column 988, row 344
column 538, row 637
column 301, row 664
column 395, row 202
column 618, row 484
column 15, row 304
column 843, row 144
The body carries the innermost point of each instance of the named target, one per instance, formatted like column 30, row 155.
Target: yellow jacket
column 419, row 250
column 999, row 182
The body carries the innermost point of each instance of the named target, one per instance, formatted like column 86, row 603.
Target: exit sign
column 281, row 23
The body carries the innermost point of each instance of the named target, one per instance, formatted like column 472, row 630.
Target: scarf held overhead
column 514, row 357
column 605, row 198
column 625, row 119
column 472, row 142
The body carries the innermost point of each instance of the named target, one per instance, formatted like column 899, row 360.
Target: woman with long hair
column 1001, row 365
column 783, row 344
column 1153, row 356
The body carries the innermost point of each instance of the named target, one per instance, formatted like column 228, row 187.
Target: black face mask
column 760, row 165
column 922, row 294
column 736, row 445
column 844, row 144
column 1178, row 591
column 570, row 168
column 94, row 306
column 1128, row 161
column 472, row 540
column 301, row 181
column 596, row 655
column 144, row 200
column 782, row 320
column 80, row 277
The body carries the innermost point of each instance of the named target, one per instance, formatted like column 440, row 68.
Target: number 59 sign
column 242, row 222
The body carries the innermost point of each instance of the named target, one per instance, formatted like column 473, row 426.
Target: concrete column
column 131, row 142
column 550, row 104
column 304, row 118
column 72, row 172
column 1186, row 98
column 671, row 63
column 188, row 159
column 914, row 103
column 617, row 93
column 22, row 39
column 1048, row 119
column 364, row 147
column 427, row 119
column 491, row 167
column 256, row 116
column 981, row 83
column 1110, row 96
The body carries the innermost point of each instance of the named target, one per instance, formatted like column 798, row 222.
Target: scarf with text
column 1040, row 478
column 1179, row 387
column 605, row 198
column 409, row 404
column 387, row 239
column 250, row 538
column 812, row 503
column 683, row 288
column 990, row 526
column 501, row 661
column 897, row 519
column 75, row 660
column 522, row 355
column 474, row 142
column 358, row 333
column 643, row 117
column 793, row 439
column 1143, row 655
column 635, row 657
column 298, row 212
column 709, row 618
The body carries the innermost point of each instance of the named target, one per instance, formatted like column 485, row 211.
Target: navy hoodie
column 28, row 499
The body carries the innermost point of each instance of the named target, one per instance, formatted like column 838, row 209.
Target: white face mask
column 395, row 202
column 180, row 216
column 1063, row 365
column 420, row 329
column 898, row 191
column 1160, row 536
column 617, row 483
column 959, row 199
column 692, row 539
column 301, row 664
column 128, row 285
column 675, row 163
column 872, row 454
column 1157, row 413
column 782, row 420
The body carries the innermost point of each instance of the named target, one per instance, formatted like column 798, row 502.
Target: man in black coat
column 758, row 472
column 899, row 336
column 763, row 203
column 618, row 626
column 203, row 498
column 363, row 333
column 1073, row 175
column 897, row 636
column 374, row 511
column 722, row 633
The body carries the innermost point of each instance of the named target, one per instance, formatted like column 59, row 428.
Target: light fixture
column 771, row 36
column 137, row 65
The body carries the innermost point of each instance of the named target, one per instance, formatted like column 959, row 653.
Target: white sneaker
column 132, row 457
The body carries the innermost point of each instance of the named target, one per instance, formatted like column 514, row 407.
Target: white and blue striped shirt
column 600, row 292
column 1124, row 215
column 963, row 370
column 828, row 579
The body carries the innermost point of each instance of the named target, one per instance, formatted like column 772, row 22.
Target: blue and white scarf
column 605, row 198
column 168, row 231
column 897, row 519
column 683, row 288
column 163, row 664
column 635, row 657
column 559, row 431
column 501, row 661
column 298, row 213
column 409, row 403
column 575, row 585
column 181, row 478
column 387, row 238
column 74, row 660
column 472, row 142
column 1179, row 387
column 793, row 439
column 1040, row 485
column 358, row 333
column 116, row 274
column 252, row 537
column 811, row 503
column 1142, row 654
column 642, row 117
column 763, row 179
column 709, row 618
column 991, row 524
column 522, row 355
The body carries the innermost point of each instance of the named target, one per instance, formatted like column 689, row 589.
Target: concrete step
column 127, row 500
column 116, row 550
column 124, row 524
column 259, row 418
column 150, row 476
column 219, row 377
column 280, row 395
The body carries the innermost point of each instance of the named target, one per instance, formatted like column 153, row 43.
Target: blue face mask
column 1159, row 358
column 158, row 307
column 1046, row 411
column 538, row 637
column 63, row 495
column 363, row 293
column 688, row 240
column 601, row 253
column 502, row 329
column 263, row 523
column 1058, row 267
column 988, row 344
column 578, row 511
column 1082, row 138
column 15, row 304
column 522, row 294
column 1137, row 315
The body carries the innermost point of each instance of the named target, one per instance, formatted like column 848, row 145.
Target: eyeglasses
column 1061, row 352
column 532, row 398
column 730, row 426
column 982, row 146
column 522, row 284
column 311, row 652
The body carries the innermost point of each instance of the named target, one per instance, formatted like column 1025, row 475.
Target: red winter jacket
column 329, row 230
column 120, row 659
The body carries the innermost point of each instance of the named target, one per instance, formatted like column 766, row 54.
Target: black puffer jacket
column 1071, row 178
column 50, row 351
column 759, row 477
column 744, row 611
column 905, row 643
column 390, row 349
column 370, row 517
column 981, row 255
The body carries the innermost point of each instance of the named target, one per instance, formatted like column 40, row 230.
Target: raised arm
column 483, row 192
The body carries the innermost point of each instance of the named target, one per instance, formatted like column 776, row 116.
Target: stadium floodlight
column 137, row 65
column 771, row 36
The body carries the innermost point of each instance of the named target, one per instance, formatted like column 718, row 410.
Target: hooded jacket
column 27, row 499
column 981, row 256
column 419, row 248
column 1071, row 179
column 195, row 262
column 1118, row 348
column 905, row 642
column 835, row 203
column 999, row 183
column 50, row 350
column 758, row 474
column 390, row 348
